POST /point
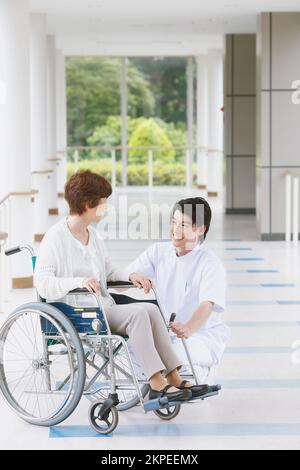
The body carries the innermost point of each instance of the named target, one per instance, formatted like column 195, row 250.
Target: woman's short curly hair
column 86, row 189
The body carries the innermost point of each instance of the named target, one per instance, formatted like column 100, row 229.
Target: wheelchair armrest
column 80, row 290
column 116, row 284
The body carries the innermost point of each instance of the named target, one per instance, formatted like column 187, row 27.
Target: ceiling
column 156, row 27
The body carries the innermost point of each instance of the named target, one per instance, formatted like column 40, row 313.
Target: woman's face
column 96, row 214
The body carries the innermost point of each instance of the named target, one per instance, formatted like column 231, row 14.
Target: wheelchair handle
column 13, row 251
column 117, row 284
column 18, row 249
column 172, row 317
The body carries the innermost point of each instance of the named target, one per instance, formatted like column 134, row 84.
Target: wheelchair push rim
column 40, row 365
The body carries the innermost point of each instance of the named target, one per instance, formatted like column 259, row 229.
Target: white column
column 124, row 106
column 52, row 131
column 39, row 156
column 190, row 121
column 202, row 121
column 3, row 182
column 215, row 130
column 15, row 42
column 61, row 129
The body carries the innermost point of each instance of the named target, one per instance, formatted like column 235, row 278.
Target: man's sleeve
column 213, row 285
column 145, row 264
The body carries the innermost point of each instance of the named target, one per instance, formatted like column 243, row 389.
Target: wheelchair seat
column 81, row 317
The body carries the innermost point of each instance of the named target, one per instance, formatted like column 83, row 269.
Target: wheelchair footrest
column 161, row 403
column 156, row 404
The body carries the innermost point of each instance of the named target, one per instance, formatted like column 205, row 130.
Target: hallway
column 259, row 404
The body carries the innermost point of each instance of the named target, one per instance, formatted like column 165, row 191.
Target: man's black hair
column 197, row 209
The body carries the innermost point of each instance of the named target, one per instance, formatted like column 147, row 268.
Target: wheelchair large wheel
column 42, row 364
column 128, row 397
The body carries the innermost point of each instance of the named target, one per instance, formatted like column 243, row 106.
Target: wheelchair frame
column 105, row 410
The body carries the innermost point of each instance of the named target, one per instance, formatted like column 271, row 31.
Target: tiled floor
column 259, row 406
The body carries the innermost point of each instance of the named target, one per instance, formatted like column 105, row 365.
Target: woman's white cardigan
column 53, row 276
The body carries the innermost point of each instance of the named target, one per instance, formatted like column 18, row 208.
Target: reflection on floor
column 259, row 406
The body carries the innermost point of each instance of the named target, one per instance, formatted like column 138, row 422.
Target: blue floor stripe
column 257, row 271
column 238, row 249
column 181, row 430
column 231, row 303
column 253, row 271
column 251, row 302
column 262, row 324
column 265, row 286
column 58, row 432
column 249, row 259
column 259, row 350
column 271, row 286
column 288, row 384
column 288, row 302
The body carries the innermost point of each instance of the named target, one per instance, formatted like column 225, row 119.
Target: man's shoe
column 177, row 395
column 197, row 390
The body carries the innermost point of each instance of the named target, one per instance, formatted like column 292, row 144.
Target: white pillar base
column 53, row 198
column 202, row 169
column 215, row 173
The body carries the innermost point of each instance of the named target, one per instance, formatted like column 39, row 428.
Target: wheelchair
column 53, row 354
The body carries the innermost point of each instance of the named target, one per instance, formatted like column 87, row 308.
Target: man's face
column 184, row 234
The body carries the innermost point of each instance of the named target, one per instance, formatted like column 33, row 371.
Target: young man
column 190, row 281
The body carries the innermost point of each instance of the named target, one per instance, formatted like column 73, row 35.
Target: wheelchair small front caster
column 103, row 423
column 169, row 413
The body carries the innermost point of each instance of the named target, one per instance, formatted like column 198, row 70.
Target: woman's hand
column 92, row 285
column 141, row 282
column 181, row 330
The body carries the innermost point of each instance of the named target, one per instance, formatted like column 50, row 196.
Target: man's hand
column 181, row 330
column 141, row 282
column 92, row 285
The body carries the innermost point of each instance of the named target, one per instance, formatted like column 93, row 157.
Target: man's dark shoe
column 178, row 395
column 197, row 390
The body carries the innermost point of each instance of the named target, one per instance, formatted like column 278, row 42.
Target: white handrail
column 150, row 170
column 288, row 208
column 296, row 210
column 187, row 151
column 113, row 169
column 292, row 207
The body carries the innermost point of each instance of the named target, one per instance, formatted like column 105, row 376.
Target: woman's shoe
column 196, row 390
column 177, row 395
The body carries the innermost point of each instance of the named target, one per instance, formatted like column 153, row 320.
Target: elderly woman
column 72, row 255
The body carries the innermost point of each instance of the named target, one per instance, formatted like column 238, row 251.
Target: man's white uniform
column 182, row 284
